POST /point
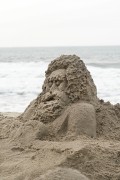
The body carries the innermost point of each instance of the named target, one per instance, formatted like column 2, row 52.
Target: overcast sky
column 59, row 22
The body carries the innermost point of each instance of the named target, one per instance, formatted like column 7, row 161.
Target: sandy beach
column 81, row 140
column 96, row 158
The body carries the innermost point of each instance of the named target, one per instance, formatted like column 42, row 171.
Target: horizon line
column 58, row 46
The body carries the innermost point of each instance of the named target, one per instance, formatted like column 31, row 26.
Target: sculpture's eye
column 50, row 83
column 57, row 82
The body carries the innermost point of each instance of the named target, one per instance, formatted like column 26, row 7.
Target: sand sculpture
column 68, row 105
column 65, row 104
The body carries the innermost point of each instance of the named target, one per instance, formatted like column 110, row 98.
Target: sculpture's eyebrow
column 58, row 77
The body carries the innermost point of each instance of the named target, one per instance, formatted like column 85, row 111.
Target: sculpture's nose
column 52, row 88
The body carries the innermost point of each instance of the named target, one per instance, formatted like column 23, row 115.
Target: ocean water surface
column 22, row 72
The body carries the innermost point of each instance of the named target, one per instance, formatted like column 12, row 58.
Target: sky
column 59, row 23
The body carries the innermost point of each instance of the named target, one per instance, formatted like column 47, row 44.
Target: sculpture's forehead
column 58, row 73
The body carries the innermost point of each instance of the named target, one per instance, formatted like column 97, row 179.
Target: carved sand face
column 55, row 86
column 54, row 98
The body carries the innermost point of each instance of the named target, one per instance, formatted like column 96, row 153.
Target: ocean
column 22, row 72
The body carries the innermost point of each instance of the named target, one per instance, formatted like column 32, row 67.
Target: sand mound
column 96, row 159
column 96, row 162
column 65, row 127
column 108, row 120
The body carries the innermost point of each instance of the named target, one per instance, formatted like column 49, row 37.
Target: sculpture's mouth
column 55, row 97
column 50, row 98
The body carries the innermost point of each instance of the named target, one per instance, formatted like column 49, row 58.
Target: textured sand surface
column 96, row 158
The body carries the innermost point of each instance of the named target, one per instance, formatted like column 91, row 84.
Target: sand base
column 98, row 159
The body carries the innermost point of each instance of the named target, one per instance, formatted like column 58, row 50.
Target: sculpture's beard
column 51, row 106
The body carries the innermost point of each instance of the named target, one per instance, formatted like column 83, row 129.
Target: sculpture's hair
column 80, row 85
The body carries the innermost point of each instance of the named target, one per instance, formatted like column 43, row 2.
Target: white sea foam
column 107, row 82
column 19, row 84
